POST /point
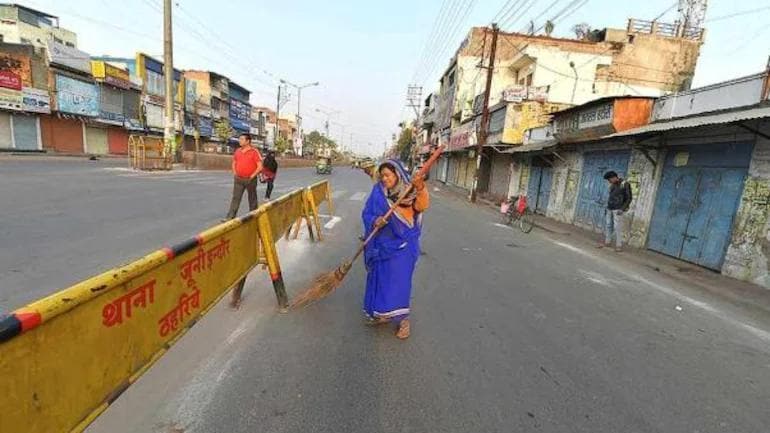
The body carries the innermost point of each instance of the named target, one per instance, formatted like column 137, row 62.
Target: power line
column 442, row 38
column 669, row 9
column 429, row 41
column 516, row 16
column 545, row 11
column 459, row 23
column 737, row 14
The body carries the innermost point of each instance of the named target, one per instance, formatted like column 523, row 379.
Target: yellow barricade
column 315, row 195
column 65, row 358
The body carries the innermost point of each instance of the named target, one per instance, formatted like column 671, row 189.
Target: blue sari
column 391, row 255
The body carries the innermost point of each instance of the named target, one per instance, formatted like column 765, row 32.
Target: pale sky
column 365, row 53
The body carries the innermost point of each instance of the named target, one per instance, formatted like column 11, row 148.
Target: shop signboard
column 240, row 113
column 10, row 99
column 10, row 80
column 36, row 100
column 76, row 97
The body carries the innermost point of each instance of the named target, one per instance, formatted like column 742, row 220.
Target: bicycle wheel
column 507, row 218
column 526, row 221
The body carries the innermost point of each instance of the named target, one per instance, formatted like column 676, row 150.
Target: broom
column 328, row 282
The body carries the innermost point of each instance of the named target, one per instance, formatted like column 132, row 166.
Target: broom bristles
column 322, row 287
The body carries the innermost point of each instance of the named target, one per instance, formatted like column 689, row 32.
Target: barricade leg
column 271, row 254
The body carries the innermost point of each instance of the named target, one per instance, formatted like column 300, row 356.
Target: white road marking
column 339, row 193
column 503, row 226
column 333, row 222
column 359, row 196
column 762, row 334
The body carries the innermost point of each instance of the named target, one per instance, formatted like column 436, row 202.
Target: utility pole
column 482, row 134
column 299, row 105
column 169, row 135
column 277, row 114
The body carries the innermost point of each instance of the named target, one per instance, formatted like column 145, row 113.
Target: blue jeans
column 613, row 225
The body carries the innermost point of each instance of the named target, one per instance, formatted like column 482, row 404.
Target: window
column 1, row 38
column 155, row 83
column 26, row 41
column 57, row 40
column 529, row 79
column 70, row 44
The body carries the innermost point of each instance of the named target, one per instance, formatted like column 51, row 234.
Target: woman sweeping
column 392, row 254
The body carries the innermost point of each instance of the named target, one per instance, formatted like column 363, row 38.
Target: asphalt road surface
column 510, row 332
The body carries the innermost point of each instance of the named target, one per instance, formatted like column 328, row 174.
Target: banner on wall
column 10, row 99
column 36, row 100
column 77, row 97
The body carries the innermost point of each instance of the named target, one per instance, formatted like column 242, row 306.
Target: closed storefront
column 25, row 132
column 539, row 188
column 61, row 134
column 697, row 200
column 96, row 141
column 500, row 177
column 443, row 167
column 117, row 141
column 6, row 133
column 470, row 171
column 594, row 190
column 453, row 168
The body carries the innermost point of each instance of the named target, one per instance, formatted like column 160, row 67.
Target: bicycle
column 515, row 209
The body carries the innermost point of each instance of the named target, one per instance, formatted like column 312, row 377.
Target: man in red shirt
column 247, row 164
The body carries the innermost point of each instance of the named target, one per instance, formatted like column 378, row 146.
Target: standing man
column 247, row 164
column 269, row 171
column 617, row 205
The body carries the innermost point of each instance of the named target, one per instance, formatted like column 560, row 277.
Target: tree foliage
column 316, row 143
column 404, row 144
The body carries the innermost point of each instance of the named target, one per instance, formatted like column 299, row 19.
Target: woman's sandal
column 403, row 330
column 377, row 321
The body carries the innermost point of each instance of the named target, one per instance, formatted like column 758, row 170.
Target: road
column 65, row 219
column 511, row 332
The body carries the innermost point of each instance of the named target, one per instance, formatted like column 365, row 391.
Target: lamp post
column 299, row 105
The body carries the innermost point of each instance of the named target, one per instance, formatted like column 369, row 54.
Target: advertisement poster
column 239, row 115
column 77, row 97
column 36, row 100
column 10, row 99
column 10, row 80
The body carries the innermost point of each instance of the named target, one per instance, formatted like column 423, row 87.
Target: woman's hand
column 419, row 182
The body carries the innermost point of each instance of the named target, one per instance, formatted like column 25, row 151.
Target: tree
column 316, row 143
column 223, row 131
column 282, row 145
column 582, row 30
column 549, row 26
column 404, row 144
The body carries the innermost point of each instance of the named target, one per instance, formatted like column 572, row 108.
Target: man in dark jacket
column 617, row 205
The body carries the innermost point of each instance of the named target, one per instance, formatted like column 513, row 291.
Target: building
column 697, row 162
column 537, row 75
column 75, row 103
column 23, row 25
column 239, row 111
column 24, row 96
column 119, row 106
column 213, row 96
column 264, row 124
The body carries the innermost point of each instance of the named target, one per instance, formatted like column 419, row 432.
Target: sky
column 364, row 54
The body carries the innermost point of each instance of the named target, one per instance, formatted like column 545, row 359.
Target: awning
column 696, row 121
column 532, row 147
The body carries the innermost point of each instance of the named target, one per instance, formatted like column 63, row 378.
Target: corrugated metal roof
column 532, row 147
column 693, row 122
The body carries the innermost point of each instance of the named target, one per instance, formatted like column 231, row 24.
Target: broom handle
column 433, row 157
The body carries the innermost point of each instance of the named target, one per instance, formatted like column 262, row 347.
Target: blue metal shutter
column 594, row 191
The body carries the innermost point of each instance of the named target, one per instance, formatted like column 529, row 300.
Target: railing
column 147, row 153
column 669, row 30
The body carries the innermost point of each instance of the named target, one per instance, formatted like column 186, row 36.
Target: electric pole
column 169, row 133
column 482, row 134
column 277, row 114
column 299, row 106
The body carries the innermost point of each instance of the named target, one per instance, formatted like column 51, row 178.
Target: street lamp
column 299, row 104
column 328, row 115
